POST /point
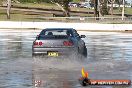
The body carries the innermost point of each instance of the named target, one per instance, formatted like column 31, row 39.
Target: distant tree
column 103, row 7
column 8, row 8
column 63, row 4
column 96, row 12
column 111, row 9
column 123, row 9
column 119, row 2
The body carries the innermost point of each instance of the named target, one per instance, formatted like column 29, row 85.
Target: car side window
column 76, row 34
column 69, row 33
column 42, row 32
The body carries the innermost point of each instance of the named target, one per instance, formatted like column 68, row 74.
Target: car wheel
column 78, row 54
column 74, row 54
column 85, row 51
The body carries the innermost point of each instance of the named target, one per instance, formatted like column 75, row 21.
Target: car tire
column 85, row 51
column 74, row 54
column 78, row 54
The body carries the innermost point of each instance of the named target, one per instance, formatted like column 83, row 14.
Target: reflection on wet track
column 115, row 46
column 109, row 57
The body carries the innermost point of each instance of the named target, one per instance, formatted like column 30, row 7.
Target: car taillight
column 35, row 43
column 67, row 43
column 38, row 43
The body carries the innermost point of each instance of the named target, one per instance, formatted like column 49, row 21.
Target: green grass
column 53, row 6
column 40, row 5
column 34, row 4
column 21, row 16
column 48, row 6
column 35, row 16
column 127, row 11
column 29, row 16
column 76, row 0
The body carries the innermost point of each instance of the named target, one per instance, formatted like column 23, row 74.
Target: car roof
column 58, row 29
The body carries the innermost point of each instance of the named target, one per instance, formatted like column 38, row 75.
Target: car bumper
column 61, row 51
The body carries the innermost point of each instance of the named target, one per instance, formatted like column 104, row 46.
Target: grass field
column 48, row 6
column 21, row 16
column 53, row 6
column 24, row 15
column 40, row 15
column 127, row 11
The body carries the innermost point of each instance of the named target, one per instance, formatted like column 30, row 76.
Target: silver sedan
column 59, row 41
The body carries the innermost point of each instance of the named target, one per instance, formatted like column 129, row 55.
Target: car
column 85, row 5
column 56, row 42
column 73, row 4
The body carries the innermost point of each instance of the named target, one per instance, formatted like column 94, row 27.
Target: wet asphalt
column 109, row 57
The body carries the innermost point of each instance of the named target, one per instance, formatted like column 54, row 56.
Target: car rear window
column 55, row 34
column 43, row 37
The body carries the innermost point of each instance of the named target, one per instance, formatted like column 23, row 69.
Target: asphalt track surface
column 109, row 57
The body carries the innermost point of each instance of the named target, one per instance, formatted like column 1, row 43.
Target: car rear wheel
column 85, row 51
column 76, row 55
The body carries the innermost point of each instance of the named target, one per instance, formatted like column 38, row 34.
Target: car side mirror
column 82, row 36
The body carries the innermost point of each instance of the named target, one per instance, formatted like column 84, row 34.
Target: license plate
column 53, row 54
